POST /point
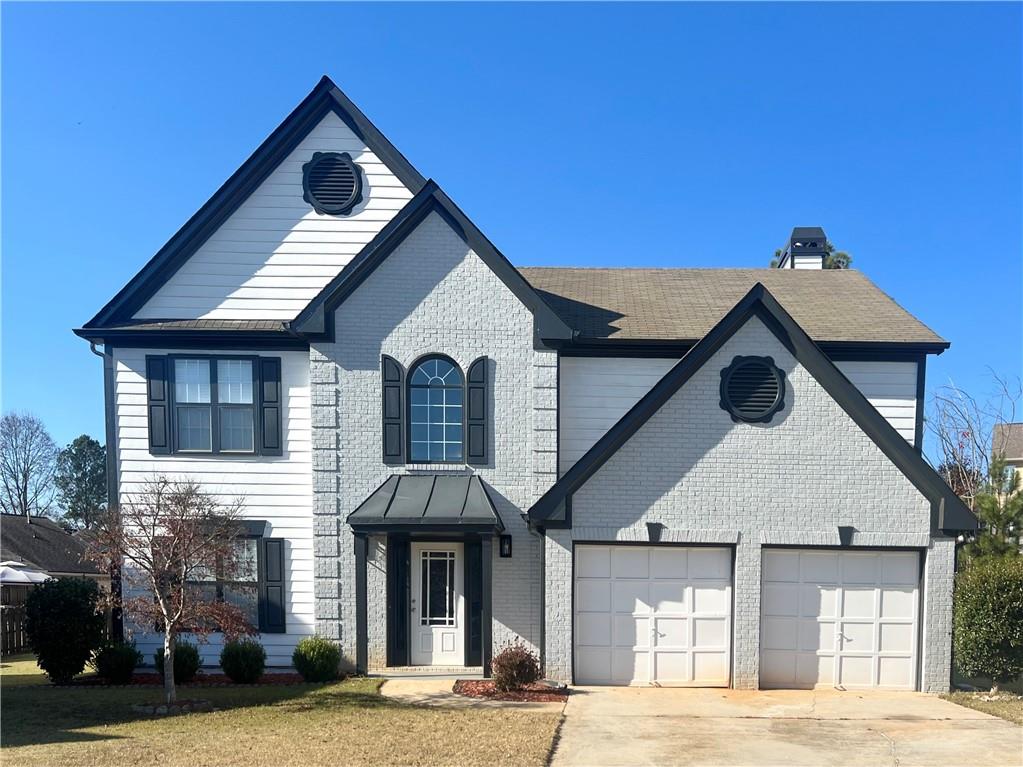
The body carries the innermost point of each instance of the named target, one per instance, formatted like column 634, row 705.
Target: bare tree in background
column 28, row 460
column 172, row 539
column 963, row 429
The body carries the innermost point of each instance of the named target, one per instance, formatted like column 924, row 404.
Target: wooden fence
column 12, row 630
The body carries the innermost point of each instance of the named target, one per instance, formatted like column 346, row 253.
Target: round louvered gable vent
column 752, row 389
column 332, row 183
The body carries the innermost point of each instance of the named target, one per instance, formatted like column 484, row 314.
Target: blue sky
column 655, row 135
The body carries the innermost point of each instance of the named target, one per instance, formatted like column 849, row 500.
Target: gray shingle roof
column 1007, row 439
column 200, row 325
column 831, row 305
column 42, row 544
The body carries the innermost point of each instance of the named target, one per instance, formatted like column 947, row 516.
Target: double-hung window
column 214, row 405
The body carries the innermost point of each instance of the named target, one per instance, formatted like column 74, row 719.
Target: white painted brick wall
column 793, row 481
column 432, row 295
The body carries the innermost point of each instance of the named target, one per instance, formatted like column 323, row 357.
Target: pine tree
column 1000, row 511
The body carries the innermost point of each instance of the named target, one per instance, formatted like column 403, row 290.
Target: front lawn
column 1006, row 705
column 347, row 723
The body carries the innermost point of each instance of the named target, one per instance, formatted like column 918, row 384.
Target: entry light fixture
column 505, row 546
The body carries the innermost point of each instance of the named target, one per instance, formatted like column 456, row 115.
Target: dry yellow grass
column 1006, row 705
column 347, row 723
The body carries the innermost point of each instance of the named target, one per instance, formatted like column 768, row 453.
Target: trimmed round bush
column 317, row 659
column 243, row 660
column 64, row 626
column 116, row 662
column 988, row 621
column 186, row 662
column 514, row 667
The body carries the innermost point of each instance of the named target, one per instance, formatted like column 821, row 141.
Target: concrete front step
column 453, row 672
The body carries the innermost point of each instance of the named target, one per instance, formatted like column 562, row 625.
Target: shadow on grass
column 42, row 714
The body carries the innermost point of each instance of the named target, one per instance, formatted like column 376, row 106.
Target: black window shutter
column 158, row 404
column 474, row 601
column 272, row 608
column 391, row 375
column 476, row 412
column 271, row 440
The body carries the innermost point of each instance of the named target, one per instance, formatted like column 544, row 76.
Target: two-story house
column 650, row 476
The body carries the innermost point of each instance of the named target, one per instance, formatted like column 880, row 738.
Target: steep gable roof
column 324, row 98
column 42, row 543
column 948, row 512
column 314, row 320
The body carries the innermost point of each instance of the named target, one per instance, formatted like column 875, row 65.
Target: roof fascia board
column 324, row 98
column 185, row 339
column 835, row 350
column 947, row 511
column 315, row 321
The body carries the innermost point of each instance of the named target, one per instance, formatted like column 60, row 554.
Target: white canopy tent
column 19, row 574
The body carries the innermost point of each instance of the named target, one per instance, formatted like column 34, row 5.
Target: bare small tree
column 170, row 535
column 28, row 460
column 963, row 429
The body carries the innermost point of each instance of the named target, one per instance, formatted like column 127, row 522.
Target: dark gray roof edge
column 948, row 512
column 369, row 516
column 324, row 98
column 314, row 321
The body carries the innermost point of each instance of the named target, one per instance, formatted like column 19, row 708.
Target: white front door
column 839, row 619
column 653, row 615
column 437, row 604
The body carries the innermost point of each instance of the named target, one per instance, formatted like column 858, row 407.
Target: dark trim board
column 316, row 320
column 948, row 513
column 838, row 351
column 921, row 395
column 324, row 98
column 227, row 340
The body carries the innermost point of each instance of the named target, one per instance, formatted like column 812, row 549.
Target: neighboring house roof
column 831, row 305
column 314, row 319
column 43, row 544
column 1007, row 439
column 427, row 502
column 324, row 98
column 948, row 512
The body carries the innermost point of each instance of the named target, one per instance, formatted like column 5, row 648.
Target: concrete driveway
column 651, row 726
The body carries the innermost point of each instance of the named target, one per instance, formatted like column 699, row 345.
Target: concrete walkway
column 644, row 726
column 438, row 692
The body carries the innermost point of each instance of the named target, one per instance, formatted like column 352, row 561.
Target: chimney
column 806, row 249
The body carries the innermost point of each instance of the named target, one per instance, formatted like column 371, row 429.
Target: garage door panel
column 710, row 599
column 859, row 568
column 781, row 599
column 900, row 569
column 630, row 562
column 631, row 596
column 898, row 603
column 596, row 628
column 672, row 632
column 630, row 631
column 641, row 621
column 593, row 596
column 593, row 562
column 818, row 601
column 669, row 563
column 668, row 597
column 857, row 620
column 859, row 602
column 710, row 633
column 819, row 568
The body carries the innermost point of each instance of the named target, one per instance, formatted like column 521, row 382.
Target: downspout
column 113, row 485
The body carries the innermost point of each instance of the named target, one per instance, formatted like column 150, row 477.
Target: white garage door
column 843, row 619
column 652, row 615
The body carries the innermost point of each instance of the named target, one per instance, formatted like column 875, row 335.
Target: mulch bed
column 152, row 679
column 537, row 692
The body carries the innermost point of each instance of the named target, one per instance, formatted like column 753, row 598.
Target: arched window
column 435, row 411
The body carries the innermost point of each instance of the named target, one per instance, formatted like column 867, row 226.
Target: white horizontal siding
column 277, row 489
column 807, row 262
column 274, row 253
column 890, row 387
column 596, row 391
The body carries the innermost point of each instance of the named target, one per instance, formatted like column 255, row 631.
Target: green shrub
column 186, row 662
column 317, row 659
column 116, row 662
column 243, row 660
column 515, row 666
column 64, row 626
column 988, row 624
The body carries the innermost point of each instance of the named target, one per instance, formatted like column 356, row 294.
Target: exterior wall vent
column 332, row 183
column 752, row 389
